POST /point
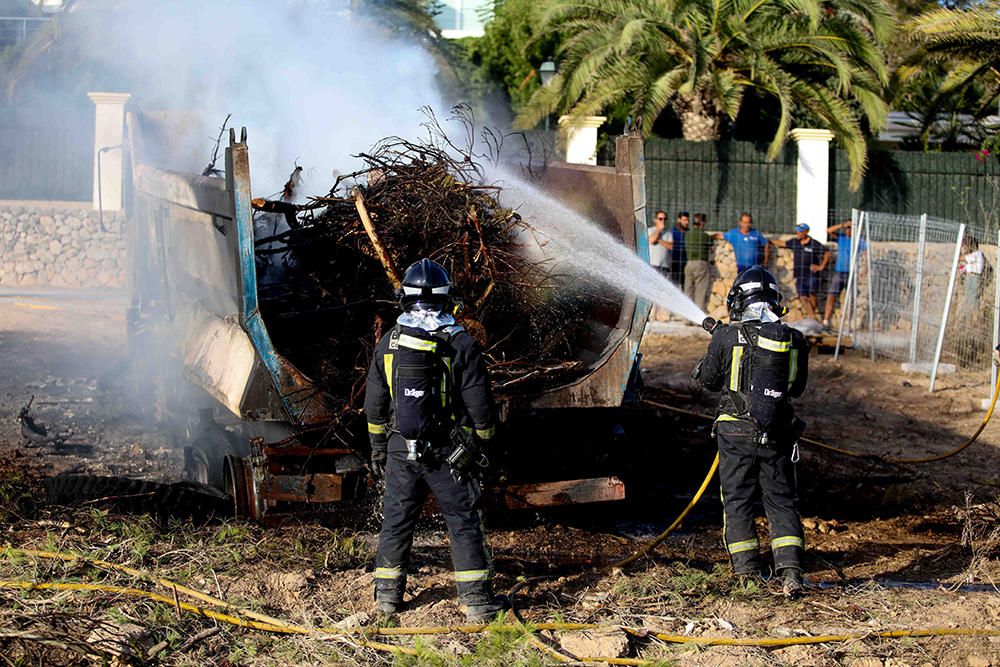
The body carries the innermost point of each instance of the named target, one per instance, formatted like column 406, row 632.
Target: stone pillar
column 109, row 129
column 812, row 185
column 578, row 135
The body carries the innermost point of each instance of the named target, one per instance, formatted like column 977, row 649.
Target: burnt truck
column 256, row 426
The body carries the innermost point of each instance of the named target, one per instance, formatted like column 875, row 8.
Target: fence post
column 867, row 225
column 857, row 218
column 947, row 304
column 915, row 326
column 851, row 278
column 996, row 319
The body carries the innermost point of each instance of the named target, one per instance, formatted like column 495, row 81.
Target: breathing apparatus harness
column 764, row 358
column 420, row 375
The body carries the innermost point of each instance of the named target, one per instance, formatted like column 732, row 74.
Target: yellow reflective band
column 790, row 541
column 388, row 572
column 418, row 343
column 727, row 418
column 472, row 575
column 793, row 367
column 734, row 368
column 745, row 545
column 774, row 345
column 444, row 381
column 486, row 433
column 377, row 429
column 387, row 360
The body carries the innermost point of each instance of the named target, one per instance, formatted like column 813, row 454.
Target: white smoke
column 312, row 81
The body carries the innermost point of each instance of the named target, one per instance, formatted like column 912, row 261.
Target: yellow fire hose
column 625, row 562
column 846, row 452
column 249, row 619
column 358, row 633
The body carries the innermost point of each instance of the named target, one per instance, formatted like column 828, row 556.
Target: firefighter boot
column 389, row 589
column 481, row 605
column 791, row 584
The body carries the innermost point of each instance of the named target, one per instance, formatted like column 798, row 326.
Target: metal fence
column 54, row 163
column 923, row 291
column 15, row 29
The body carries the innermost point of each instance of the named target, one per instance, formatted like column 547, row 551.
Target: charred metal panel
column 615, row 199
column 192, row 278
column 303, row 401
column 219, row 358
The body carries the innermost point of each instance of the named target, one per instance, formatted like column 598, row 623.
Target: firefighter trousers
column 406, row 486
column 749, row 471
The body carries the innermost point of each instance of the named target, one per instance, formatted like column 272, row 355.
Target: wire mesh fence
column 923, row 291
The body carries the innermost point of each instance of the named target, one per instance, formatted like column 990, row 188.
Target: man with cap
column 809, row 260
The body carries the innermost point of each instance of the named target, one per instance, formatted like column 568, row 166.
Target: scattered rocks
column 978, row 661
column 52, row 247
column 595, row 643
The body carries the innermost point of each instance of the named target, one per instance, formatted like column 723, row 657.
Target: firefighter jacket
column 726, row 366
column 460, row 385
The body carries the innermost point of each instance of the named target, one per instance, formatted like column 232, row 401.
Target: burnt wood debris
column 327, row 270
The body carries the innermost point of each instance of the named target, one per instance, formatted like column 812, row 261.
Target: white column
column 812, row 186
column 109, row 129
column 578, row 135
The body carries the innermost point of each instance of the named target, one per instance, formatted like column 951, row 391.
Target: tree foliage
column 820, row 59
column 511, row 49
column 963, row 43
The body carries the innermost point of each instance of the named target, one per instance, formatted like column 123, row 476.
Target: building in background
column 463, row 18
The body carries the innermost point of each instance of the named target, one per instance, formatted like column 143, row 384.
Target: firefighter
column 759, row 363
column 430, row 414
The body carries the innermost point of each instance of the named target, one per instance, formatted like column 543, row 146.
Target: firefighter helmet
column 425, row 285
column 754, row 285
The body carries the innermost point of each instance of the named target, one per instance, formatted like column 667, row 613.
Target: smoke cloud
column 312, row 81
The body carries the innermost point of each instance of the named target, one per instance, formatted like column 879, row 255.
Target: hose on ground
column 625, row 562
column 358, row 633
column 846, row 452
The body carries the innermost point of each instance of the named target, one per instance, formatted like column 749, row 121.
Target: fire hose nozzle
column 709, row 324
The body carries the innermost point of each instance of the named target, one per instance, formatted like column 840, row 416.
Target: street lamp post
column 547, row 72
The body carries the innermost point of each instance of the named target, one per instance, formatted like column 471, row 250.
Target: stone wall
column 48, row 244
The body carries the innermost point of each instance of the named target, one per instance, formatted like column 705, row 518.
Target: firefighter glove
column 466, row 455
column 379, row 457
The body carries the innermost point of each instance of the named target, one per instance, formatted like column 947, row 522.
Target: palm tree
column 822, row 60
column 967, row 42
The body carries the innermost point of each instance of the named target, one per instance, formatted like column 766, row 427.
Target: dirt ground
column 890, row 547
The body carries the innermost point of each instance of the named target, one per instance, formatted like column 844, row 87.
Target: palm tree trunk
column 700, row 120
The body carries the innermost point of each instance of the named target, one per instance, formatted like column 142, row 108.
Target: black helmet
column 754, row 285
column 425, row 285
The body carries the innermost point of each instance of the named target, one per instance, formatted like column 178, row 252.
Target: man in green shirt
column 697, row 275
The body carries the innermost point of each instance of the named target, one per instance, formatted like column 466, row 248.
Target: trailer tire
column 134, row 496
column 204, row 457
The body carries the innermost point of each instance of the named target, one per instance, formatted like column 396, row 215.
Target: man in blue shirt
column 842, row 269
column 747, row 243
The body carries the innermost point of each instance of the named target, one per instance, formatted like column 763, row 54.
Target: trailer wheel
column 203, row 458
column 238, row 484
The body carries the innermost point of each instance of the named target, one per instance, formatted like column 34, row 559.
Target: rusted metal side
column 193, row 279
column 614, row 198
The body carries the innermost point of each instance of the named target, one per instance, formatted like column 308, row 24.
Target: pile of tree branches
column 329, row 270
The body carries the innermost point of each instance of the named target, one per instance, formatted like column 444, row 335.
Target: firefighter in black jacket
column 759, row 363
column 430, row 412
